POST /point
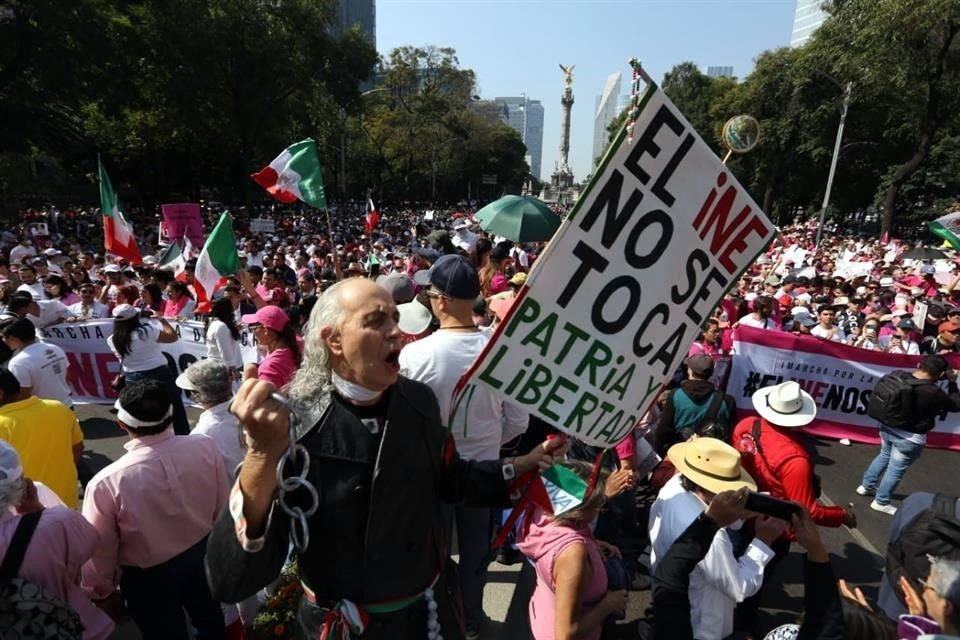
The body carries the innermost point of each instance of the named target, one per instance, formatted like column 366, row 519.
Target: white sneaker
column 888, row 509
column 863, row 491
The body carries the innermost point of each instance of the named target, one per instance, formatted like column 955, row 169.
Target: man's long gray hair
column 312, row 381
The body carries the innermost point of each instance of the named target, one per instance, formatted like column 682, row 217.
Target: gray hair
column 212, row 381
column 312, row 381
column 11, row 490
column 945, row 580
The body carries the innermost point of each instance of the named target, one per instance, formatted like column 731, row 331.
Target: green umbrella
column 519, row 218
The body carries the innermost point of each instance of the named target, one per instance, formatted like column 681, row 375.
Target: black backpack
column 27, row 610
column 894, row 402
column 935, row 532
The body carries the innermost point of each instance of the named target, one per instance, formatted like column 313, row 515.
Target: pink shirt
column 542, row 544
column 278, row 367
column 155, row 502
column 62, row 542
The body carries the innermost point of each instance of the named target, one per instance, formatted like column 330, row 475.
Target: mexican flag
column 373, row 216
column 174, row 259
column 118, row 237
column 294, row 175
column 948, row 229
column 565, row 488
column 217, row 261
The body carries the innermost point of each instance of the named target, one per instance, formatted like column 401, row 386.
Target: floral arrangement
column 277, row 618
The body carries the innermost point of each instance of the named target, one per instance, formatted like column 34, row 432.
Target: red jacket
column 782, row 466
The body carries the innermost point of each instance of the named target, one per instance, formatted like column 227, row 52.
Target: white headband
column 135, row 423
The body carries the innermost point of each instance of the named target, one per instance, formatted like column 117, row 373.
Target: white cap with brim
column 125, row 312
column 785, row 405
column 184, row 382
column 414, row 318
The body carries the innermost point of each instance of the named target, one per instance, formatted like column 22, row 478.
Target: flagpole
column 333, row 246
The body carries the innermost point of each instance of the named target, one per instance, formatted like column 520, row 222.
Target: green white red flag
column 373, row 216
column 217, row 261
column 947, row 228
column 118, row 237
column 294, row 175
column 175, row 258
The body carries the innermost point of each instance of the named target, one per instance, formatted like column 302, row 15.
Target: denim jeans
column 473, row 542
column 887, row 469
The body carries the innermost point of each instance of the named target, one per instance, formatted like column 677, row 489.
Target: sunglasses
column 430, row 293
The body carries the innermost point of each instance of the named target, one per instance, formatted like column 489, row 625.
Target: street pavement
column 857, row 553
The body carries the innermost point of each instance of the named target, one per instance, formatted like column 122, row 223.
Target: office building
column 720, row 72
column 607, row 108
column 357, row 12
column 525, row 116
column 809, row 16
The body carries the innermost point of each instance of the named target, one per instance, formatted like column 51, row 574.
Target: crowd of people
column 366, row 335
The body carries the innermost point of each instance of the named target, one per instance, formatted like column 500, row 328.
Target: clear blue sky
column 515, row 46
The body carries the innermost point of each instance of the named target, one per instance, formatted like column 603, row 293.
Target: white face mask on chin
column 353, row 391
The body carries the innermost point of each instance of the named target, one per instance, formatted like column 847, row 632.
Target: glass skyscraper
column 809, row 16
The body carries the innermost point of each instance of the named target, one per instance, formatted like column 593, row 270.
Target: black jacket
column 378, row 534
column 671, row 582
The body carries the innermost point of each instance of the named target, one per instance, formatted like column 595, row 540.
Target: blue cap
column 455, row 277
column 429, row 254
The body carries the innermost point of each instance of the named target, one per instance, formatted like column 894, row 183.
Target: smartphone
column 769, row 506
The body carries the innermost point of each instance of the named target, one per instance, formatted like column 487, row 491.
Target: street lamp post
column 833, row 161
column 343, row 144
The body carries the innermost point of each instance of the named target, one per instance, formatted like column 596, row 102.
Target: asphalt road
column 857, row 554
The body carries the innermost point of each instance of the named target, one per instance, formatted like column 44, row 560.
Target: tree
column 904, row 57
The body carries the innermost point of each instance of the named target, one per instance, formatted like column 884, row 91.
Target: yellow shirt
column 44, row 432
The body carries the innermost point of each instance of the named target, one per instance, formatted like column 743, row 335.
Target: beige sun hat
column 711, row 464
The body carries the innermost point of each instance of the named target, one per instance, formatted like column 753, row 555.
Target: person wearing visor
column 154, row 508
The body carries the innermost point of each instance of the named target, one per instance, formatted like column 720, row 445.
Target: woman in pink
column 273, row 330
column 61, row 543
column 571, row 598
column 179, row 304
column 708, row 343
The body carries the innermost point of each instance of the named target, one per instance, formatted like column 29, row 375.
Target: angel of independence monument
column 561, row 187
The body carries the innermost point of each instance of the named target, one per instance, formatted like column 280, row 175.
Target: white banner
column 839, row 377
column 613, row 304
column 93, row 366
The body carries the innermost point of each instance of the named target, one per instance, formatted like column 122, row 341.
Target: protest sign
column 611, row 307
column 262, row 225
column 93, row 366
column 839, row 377
column 37, row 229
column 920, row 314
column 183, row 220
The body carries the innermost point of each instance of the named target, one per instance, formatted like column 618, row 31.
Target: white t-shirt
column 20, row 252
column 35, row 290
column 222, row 347
column 43, row 368
column 766, row 323
column 820, row 332
column 145, row 351
column 221, row 426
column 482, row 421
column 95, row 311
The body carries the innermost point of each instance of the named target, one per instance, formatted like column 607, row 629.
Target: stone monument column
column 566, row 101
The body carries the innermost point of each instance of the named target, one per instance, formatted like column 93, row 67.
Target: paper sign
column 612, row 306
column 262, row 225
column 183, row 220
column 920, row 314
column 36, row 229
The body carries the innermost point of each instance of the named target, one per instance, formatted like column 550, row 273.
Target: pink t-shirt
column 278, row 367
